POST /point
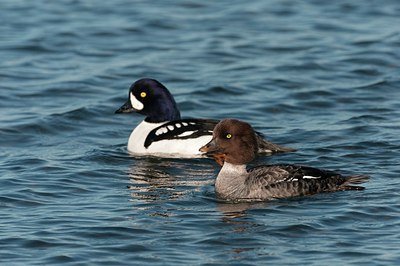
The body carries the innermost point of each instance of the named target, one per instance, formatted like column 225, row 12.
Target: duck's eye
column 228, row 136
column 143, row 94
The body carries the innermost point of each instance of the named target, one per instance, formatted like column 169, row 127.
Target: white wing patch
column 136, row 103
column 311, row 177
column 304, row 177
column 186, row 133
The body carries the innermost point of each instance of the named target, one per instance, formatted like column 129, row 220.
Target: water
column 321, row 77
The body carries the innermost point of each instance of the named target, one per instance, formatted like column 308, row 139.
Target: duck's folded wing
column 181, row 129
column 267, row 174
column 278, row 174
column 298, row 172
column 294, row 180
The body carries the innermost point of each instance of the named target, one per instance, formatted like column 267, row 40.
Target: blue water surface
column 320, row 76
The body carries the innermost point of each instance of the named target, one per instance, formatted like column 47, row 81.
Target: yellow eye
column 228, row 136
column 143, row 94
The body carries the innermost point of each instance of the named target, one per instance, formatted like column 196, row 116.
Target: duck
column 236, row 140
column 163, row 133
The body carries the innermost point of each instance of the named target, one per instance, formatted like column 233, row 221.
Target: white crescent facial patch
column 136, row 103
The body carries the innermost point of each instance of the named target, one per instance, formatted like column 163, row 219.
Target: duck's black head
column 151, row 98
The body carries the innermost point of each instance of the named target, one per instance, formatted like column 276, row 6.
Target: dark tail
column 265, row 146
column 354, row 180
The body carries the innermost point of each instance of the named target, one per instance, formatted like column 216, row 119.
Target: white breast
column 164, row 148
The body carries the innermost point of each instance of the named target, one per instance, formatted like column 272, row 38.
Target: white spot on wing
column 310, row 177
column 184, row 124
column 161, row 131
column 178, row 125
column 186, row 133
column 136, row 103
column 170, row 127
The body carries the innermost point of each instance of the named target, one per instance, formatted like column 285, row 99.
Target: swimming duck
column 236, row 140
column 163, row 133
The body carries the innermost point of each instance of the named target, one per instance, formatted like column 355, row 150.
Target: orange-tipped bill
column 212, row 150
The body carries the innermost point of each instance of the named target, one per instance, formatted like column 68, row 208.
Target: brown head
column 235, row 140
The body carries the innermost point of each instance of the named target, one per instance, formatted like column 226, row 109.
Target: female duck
column 163, row 132
column 236, row 141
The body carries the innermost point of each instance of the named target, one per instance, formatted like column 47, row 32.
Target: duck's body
column 234, row 139
column 179, row 138
column 235, row 182
column 163, row 133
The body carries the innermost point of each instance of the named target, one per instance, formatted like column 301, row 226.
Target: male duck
column 236, row 140
column 163, row 133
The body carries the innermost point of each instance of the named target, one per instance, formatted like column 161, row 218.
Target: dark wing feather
column 265, row 146
column 198, row 127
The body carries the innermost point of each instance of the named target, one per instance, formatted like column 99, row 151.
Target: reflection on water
column 233, row 210
column 159, row 179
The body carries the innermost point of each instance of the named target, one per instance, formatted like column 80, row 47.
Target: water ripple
column 318, row 76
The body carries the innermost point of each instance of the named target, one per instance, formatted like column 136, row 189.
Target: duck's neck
column 230, row 181
column 162, row 112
